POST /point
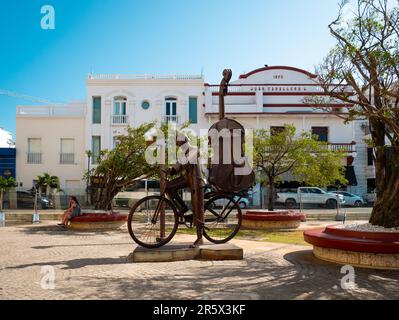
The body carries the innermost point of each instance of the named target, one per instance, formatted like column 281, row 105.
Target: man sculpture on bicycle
column 193, row 178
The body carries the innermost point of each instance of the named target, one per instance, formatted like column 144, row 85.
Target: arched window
column 120, row 106
column 171, row 109
column 119, row 116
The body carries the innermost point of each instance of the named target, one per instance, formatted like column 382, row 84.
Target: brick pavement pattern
column 93, row 266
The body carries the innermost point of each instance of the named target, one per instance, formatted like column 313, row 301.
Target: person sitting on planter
column 72, row 211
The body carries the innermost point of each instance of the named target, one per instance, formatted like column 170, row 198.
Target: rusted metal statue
column 154, row 220
column 230, row 171
column 192, row 177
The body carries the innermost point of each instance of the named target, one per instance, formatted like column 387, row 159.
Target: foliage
column 306, row 159
column 121, row 166
column 48, row 182
column 5, row 184
column 363, row 70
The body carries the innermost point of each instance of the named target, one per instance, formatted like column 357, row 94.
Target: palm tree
column 5, row 184
column 47, row 181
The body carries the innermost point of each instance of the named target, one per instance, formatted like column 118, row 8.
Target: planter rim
column 266, row 212
column 369, row 235
column 350, row 240
column 98, row 217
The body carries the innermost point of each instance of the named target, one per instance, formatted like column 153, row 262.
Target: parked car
column 26, row 200
column 309, row 195
column 370, row 197
column 351, row 199
column 130, row 195
column 242, row 202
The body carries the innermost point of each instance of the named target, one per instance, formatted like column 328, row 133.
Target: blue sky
column 151, row 36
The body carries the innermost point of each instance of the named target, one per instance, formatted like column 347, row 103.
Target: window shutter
column 192, row 112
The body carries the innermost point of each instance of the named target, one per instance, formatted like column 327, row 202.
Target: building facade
column 7, row 162
column 54, row 139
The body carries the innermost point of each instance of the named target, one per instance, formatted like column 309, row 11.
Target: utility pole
column 88, row 177
column 36, row 217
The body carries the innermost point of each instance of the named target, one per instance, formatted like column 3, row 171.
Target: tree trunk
column 386, row 208
column 270, row 205
column 104, row 199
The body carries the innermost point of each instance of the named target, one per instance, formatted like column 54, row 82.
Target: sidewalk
column 94, row 266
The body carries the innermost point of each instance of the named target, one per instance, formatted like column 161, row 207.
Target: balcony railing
column 337, row 147
column 170, row 118
column 343, row 147
column 144, row 77
column 52, row 111
column 34, row 158
column 67, row 158
column 120, row 119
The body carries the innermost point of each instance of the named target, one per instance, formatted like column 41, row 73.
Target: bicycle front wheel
column 222, row 219
column 152, row 222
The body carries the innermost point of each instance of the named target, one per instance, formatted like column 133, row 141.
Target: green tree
column 121, row 166
column 5, row 184
column 308, row 160
column 48, row 182
column 363, row 70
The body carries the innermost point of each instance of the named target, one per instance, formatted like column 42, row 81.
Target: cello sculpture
column 229, row 171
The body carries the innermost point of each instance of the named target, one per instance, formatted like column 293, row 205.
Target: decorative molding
column 115, row 93
column 172, row 93
column 310, row 75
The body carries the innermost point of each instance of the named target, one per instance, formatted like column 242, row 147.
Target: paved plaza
column 91, row 265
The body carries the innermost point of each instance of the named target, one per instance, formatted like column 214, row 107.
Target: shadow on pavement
column 75, row 263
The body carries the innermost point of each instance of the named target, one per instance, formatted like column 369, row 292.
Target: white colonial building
column 54, row 138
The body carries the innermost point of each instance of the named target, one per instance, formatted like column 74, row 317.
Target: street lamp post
column 88, row 176
column 2, row 215
column 36, row 217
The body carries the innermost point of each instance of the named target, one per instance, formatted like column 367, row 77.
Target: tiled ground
column 93, row 266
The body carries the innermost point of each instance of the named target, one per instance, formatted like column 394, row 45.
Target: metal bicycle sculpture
column 154, row 220
column 222, row 217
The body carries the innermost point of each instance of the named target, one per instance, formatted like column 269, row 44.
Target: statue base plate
column 181, row 252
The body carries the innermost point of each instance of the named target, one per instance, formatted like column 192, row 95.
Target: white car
column 242, row 202
column 310, row 195
column 370, row 197
column 351, row 199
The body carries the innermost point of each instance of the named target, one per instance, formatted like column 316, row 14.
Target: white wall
column 136, row 91
column 51, row 130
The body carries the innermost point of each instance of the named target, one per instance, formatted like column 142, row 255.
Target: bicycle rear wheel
column 222, row 219
column 145, row 221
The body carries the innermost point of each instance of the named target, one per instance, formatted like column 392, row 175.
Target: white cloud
column 5, row 139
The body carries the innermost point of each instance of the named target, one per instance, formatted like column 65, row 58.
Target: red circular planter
column 359, row 248
column 97, row 221
column 263, row 219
